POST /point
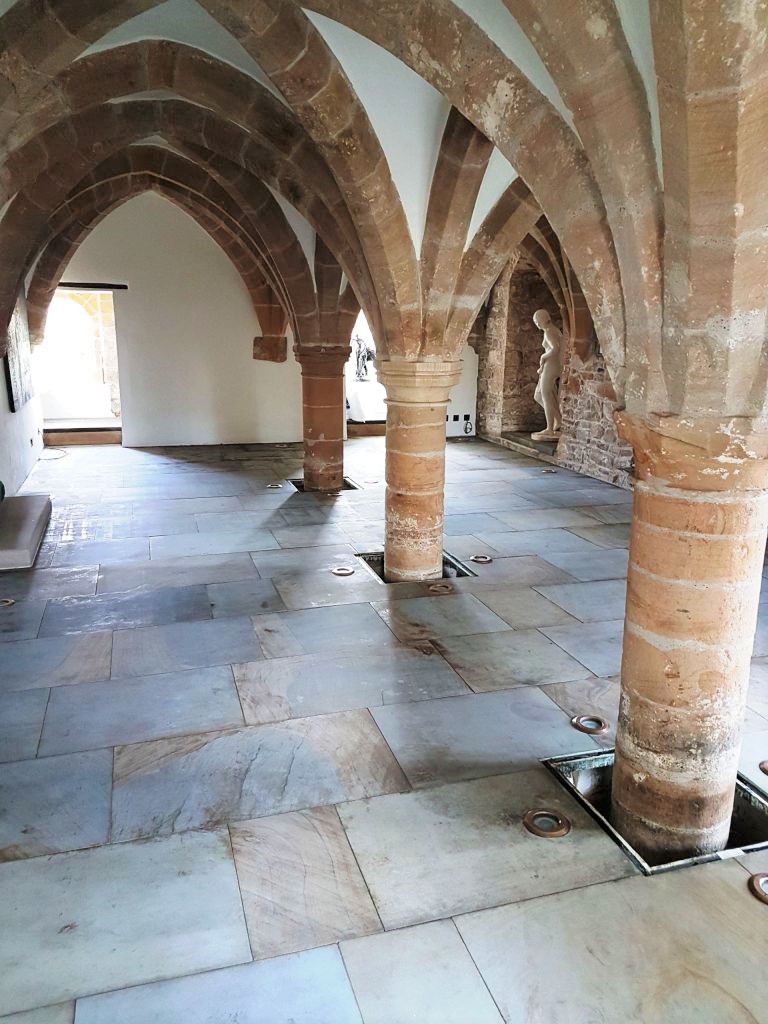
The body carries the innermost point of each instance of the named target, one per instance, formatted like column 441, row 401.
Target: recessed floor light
column 480, row 559
column 546, row 824
column 758, row 886
column 343, row 570
column 592, row 724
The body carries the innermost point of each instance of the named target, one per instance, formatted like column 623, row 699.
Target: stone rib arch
column 271, row 235
column 72, row 224
column 75, row 147
column 461, row 164
column 449, row 50
column 507, row 223
column 582, row 45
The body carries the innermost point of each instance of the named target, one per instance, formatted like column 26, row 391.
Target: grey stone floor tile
column 21, row 720
column 118, row 916
column 597, row 645
column 296, row 687
column 291, row 561
column 515, row 571
column 247, row 597
column 94, row 715
column 473, row 523
column 198, row 781
column 604, row 564
column 500, row 500
column 513, row 658
column 755, row 863
column 176, row 572
column 476, row 735
column 61, row 1013
column 422, row 974
column 597, row 601
column 544, row 518
column 621, row 513
column 219, row 522
column 55, row 661
column 333, row 628
column 125, row 610
column 322, row 589
column 185, row 545
column 309, row 536
column 760, row 648
column 537, row 542
column 423, row 618
column 43, row 584
column 300, row 883
column 54, row 804
column 609, row 535
column 523, row 608
column 590, row 494
column 675, row 948
column 757, row 695
column 87, row 552
column 20, row 621
column 304, row 988
column 188, row 506
column 184, row 645
column 754, row 750
column 452, row 849
column 589, row 697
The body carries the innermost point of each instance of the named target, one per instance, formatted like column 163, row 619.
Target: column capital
column 322, row 360
column 418, row 383
column 698, row 454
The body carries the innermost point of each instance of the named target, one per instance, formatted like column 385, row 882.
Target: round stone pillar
column 417, row 397
column 695, row 563
column 322, row 386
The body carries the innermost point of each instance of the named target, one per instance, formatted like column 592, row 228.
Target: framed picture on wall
column 18, row 361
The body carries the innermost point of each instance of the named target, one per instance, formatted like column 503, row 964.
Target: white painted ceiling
column 407, row 114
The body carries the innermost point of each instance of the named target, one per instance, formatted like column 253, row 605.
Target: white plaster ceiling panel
column 185, row 21
column 6, row 5
column 497, row 23
column 635, row 19
column 499, row 175
column 301, row 228
column 406, row 113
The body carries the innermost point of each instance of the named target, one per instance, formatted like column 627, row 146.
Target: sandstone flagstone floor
column 235, row 787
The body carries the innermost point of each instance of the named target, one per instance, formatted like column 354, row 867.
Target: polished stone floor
column 237, row 787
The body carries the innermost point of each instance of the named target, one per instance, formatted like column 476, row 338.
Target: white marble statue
column 550, row 368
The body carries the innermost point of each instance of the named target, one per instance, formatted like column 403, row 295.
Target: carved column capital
column 322, row 360
column 418, row 383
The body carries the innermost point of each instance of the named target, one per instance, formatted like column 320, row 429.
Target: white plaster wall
column 499, row 175
column 635, row 17
column 407, row 114
column 185, row 329
column 463, row 398
column 21, row 439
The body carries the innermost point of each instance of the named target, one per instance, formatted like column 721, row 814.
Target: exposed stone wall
column 589, row 442
column 527, row 293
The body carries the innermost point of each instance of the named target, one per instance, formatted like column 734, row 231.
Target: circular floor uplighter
column 274, row 487
column 7, row 602
column 758, row 886
column 591, row 724
column 441, row 588
column 546, row 824
column 480, row 559
column 763, row 766
column 343, row 570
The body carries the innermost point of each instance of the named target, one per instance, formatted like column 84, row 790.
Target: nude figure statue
column 550, row 368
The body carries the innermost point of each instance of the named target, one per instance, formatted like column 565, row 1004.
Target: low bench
column 23, row 520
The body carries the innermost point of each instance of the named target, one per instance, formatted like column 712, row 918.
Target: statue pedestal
column 23, row 521
column 546, row 435
column 524, row 442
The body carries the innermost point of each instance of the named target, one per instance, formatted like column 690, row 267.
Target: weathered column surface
column 490, row 353
column 322, row 385
column 695, row 561
column 417, row 396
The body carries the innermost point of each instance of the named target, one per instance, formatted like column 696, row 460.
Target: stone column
column 417, row 397
column 696, row 557
column 322, row 385
column 490, row 352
